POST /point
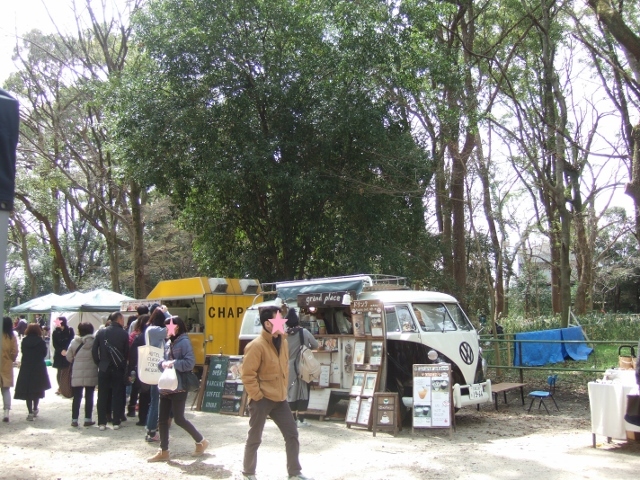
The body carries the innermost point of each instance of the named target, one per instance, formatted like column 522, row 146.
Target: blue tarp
column 577, row 351
column 537, row 354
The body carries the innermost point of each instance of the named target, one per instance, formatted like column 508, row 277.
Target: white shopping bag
column 148, row 359
column 168, row 379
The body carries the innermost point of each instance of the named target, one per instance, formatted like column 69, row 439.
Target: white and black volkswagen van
column 421, row 327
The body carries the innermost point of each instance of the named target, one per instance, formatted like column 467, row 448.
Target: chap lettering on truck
column 225, row 312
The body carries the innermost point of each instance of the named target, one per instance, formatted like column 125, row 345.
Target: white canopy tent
column 93, row 307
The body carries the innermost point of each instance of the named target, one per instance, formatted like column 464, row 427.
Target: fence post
column 496, row 345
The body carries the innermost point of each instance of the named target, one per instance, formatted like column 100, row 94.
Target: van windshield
column 433, row 317
column 459, row 316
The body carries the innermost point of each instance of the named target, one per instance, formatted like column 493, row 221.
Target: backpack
column 307, row 366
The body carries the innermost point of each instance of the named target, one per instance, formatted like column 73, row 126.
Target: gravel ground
column 487, row 444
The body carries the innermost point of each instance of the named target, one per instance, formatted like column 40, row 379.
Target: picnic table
column 504, row 388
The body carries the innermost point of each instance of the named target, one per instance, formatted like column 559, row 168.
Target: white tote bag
column 148, row 359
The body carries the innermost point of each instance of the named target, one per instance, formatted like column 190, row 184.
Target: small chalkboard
column 214, row 386
column 385, row 412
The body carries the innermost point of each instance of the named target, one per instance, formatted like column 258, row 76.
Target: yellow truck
column 212, row 309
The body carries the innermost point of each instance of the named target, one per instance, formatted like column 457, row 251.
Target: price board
column 214, row 384
column 385, row 412
column 432, row 397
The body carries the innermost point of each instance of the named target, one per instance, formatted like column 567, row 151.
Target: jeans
column 281, row 415
column 6, row 397
column 144, row 398
column 88, row 402
column 110, row 386
column 175, row 402
column 152, row 414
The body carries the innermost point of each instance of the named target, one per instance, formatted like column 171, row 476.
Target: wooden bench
column 504, row 388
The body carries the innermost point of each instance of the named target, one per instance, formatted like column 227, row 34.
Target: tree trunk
column 633, row 187
column 59, row 263
column 140, row 279
column 20, row 233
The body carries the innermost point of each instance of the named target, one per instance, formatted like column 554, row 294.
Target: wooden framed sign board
column 432, row 397
column 386, row 412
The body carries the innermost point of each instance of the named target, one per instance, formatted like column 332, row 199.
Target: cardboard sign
column 214, row 386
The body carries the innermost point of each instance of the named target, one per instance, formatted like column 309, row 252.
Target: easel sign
column 432, row 397
column 385, row 412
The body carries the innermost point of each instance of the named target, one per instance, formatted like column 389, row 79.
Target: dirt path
column 487, row 444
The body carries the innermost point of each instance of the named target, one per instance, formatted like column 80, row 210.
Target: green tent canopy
column 37, row 305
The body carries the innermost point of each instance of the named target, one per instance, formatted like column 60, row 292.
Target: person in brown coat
column 265, row 374
column 9, row 355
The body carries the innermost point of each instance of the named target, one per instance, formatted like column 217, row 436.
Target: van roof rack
column 387, row 282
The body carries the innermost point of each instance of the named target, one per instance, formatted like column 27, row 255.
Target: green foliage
column 263, row 122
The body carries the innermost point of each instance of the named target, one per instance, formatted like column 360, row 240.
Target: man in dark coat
column 110, row 352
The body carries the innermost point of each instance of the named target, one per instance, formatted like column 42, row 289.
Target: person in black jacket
column 110, row 352
column 33, row 378
column 139, row 392
column 60, row 340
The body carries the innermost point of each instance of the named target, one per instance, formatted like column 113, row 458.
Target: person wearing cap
column 298, row 391
column 265, row 374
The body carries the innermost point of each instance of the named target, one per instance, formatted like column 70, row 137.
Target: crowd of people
column 108, row 360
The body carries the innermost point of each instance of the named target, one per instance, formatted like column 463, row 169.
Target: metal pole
column 4, row 228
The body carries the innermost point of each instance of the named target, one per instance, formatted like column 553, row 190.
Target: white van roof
column 410, row 296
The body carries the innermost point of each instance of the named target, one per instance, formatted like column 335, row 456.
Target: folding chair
column 542, row 394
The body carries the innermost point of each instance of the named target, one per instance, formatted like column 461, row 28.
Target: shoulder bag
column 66, row 389
column 307, row 366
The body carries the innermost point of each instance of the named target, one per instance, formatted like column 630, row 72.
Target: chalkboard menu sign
column 214, row 386
column 385, row 412
column 232, row 397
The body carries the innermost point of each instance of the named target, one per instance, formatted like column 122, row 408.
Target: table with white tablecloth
column 608, row 403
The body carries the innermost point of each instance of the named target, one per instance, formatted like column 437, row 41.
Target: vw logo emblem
column 466, row 353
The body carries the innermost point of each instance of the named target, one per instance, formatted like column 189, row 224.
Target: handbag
column 66, row 389
column 632, row 414
column 65, row 382
column 307, row 366
column 627, row 362
column 148, row 359
column 168, row 380
column 190, row 381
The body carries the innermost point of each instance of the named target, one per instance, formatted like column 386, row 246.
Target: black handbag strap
column 77, row 350
column 297, row 362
